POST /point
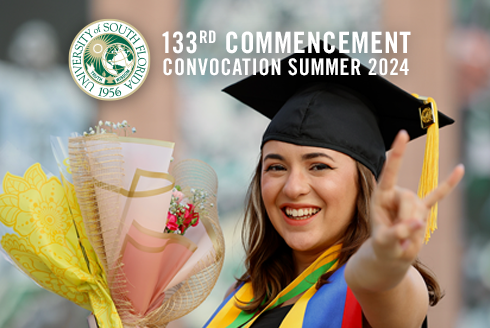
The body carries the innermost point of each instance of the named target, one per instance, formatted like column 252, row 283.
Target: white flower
column 107, row 123
column 119, row 125
column 101, row 123
column 125, row 123
column 85, row 133
column 114, row 126
column 134, row 130
column 92, row 132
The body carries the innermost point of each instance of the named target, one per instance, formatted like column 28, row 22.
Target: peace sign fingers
column 398, row 215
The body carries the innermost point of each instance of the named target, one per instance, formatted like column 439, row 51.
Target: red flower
column 189, row 216
column 172, row 222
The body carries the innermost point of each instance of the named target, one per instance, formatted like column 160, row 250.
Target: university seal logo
column 109, row 59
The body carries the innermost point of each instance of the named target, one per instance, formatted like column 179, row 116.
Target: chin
column 301, row 243
column 306, row 242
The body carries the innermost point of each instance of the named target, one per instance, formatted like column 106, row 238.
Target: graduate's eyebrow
column 304, row 157
column 315, row 155
column 273, row 156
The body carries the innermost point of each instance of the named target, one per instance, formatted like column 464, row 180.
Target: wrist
column 368, row 271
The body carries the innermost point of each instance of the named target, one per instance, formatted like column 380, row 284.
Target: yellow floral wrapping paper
column 50, row 244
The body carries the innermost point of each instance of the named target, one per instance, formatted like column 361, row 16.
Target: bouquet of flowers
column 117, row 234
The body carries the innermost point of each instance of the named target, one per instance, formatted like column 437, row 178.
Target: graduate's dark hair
column 269, row 261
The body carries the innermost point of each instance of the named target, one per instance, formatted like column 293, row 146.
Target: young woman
column 330, row 239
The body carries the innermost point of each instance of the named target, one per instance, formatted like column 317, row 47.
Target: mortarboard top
column 394, row 108
column 358, row 115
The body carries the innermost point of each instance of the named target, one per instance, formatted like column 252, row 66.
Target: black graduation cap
column 358, row 115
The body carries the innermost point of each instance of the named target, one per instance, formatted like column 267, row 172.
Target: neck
column 303, row 259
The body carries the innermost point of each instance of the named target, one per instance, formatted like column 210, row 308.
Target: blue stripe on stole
column 326, row 307
column 223, row 304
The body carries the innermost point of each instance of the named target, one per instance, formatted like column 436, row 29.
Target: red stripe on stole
column 352, row 312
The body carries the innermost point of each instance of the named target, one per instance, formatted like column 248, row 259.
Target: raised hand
column 398, row 215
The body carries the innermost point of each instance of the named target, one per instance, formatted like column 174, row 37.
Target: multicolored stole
column 332, row 306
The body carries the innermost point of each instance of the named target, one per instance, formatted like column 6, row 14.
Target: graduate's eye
column 275, row 167
column 320, row 167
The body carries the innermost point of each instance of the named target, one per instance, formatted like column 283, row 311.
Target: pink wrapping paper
column 161, row 256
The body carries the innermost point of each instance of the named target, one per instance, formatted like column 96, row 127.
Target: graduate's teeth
column 300, row 214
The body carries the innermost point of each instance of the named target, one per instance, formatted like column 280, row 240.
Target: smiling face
column 309, row 194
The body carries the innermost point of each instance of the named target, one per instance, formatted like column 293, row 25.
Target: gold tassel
column 430, row 170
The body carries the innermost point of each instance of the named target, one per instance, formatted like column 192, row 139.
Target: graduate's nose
column 296, row 185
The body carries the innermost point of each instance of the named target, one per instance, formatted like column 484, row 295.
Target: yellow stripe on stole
column 332, row 255
column 230, row 312
column 296, row 315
